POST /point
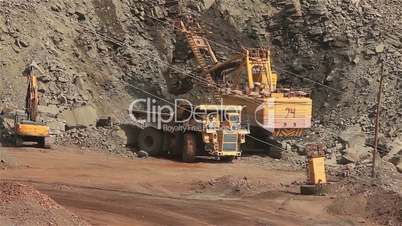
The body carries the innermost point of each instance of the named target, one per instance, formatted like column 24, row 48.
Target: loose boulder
column 395, row 150
column 399, row 167
column 80, row 117
column 354, row 141
column 56, row 127
column 50, row 110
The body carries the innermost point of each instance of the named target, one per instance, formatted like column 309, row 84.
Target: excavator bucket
column 33, row 66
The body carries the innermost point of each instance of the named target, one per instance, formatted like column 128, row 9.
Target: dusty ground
column 95, row 53
column 108, row 190
column 23, row 205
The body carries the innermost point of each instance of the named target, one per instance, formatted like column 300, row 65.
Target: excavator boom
column 32, row 99
column 200, row 47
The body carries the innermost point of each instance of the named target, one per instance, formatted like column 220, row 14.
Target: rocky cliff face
column 341, row 44
column 97, row 56
column 336, row 46
column 91, row 51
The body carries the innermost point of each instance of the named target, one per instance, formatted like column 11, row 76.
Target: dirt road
column 108, row 190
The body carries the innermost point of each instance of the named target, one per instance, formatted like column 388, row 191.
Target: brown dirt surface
column 368, row 200
column 24, row 205
column 106, row 189
column 385, row 207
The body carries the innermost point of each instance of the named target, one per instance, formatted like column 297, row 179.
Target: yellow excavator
column 28, row 127
column 248, row 79
column 281, row 111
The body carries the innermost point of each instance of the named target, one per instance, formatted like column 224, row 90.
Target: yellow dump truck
column 203, row 131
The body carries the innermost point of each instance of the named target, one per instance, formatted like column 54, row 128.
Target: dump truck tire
column 19, row 141
column 189, row 148
column 177, row 146
column 151, row 141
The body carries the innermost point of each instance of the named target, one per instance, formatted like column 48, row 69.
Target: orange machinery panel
column 316, row 170
column 32, row 130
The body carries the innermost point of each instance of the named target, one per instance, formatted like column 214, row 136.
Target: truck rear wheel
column 151, row 141
column 176, row 148
column 19, row 141
column 189, row 148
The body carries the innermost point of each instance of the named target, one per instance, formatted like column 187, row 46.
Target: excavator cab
column 28, row 128
column 259, row 73
column 30, row 131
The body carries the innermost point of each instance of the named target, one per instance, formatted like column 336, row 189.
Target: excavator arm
column 256, row 61
column 32, row 98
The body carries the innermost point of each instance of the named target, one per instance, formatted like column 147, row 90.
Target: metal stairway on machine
column 201, row 51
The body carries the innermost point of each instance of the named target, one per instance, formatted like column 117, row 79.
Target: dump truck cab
column 222, row 131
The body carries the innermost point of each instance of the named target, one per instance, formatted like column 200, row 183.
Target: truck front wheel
column 189, row 148
column 19, row 141
column 151, row 141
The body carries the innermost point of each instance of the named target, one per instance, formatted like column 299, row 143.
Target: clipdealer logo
column 171, row 116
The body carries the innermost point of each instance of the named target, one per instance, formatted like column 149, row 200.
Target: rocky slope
column 91, row 53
